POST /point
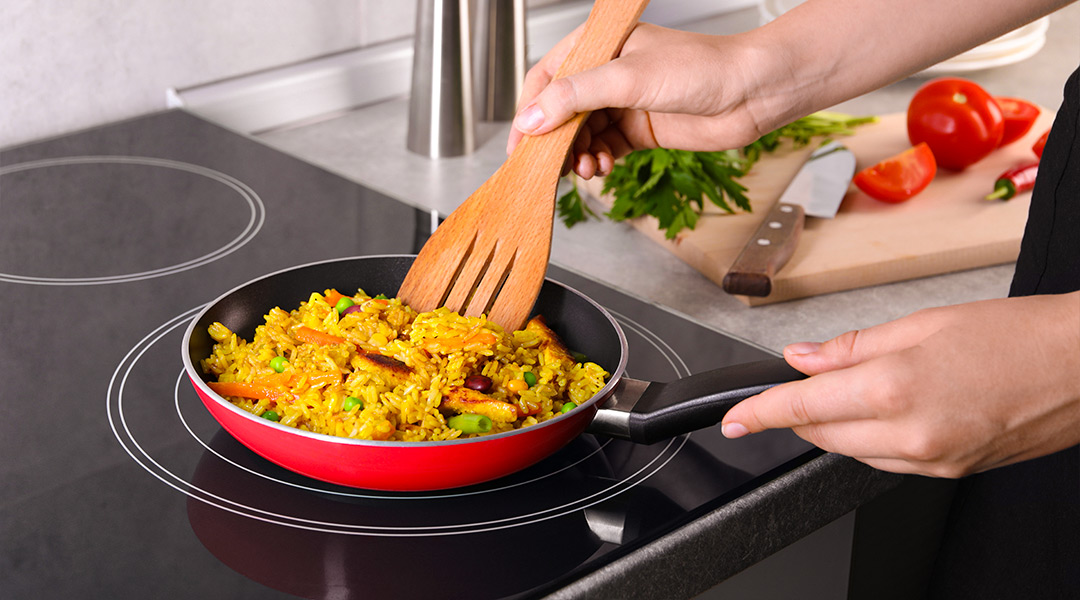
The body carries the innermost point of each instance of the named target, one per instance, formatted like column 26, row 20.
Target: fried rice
column 378, row 370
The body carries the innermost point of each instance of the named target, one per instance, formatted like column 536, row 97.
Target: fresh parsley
column 673, row 185
column 572, row 207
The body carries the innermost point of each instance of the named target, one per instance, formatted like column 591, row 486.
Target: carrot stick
column 274, row 379
column 312, row 336
column 255, row 391
column 481, row 336
column 477, row 337
column 332, row 297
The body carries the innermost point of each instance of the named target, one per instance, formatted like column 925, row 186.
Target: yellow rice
column 438, row 349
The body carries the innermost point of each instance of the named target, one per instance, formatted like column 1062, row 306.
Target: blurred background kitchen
column 73, row 65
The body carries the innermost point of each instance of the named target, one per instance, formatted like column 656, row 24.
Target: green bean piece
column 529, row 378
column 278, row 363
column 352, row 402
column 342, row 305
column 270, row 416
column 569, row 406
column 470, row 423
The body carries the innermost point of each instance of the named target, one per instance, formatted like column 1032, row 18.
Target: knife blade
column 817, row 191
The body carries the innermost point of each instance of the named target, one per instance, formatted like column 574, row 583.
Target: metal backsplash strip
column 329, row 85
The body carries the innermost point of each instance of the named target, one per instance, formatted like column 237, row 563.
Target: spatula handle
column 610, row 22
column 768, row 250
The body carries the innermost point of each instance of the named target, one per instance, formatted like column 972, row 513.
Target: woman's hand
column 943, row 392
column 691, row 91
column 667, row 88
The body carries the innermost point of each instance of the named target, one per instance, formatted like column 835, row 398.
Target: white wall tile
column 70, row 65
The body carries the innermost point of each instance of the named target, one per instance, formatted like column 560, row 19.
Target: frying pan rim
column 196, row 379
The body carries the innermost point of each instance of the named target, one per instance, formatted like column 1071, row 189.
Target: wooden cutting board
column 948, row 227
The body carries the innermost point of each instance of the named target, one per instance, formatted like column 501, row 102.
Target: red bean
column 352, row 309
column 479, row 383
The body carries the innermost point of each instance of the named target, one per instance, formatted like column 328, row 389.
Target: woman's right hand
column 691, row 91
column 666, row 88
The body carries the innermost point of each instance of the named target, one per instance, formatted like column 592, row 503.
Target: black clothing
column 1014, row 532
column 1049, row 261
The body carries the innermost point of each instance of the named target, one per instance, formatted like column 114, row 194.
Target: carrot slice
column 478, row 337
column 274, row 379
column 255, row 391
column 312, row 336
column 332, row 297
column 481, row 336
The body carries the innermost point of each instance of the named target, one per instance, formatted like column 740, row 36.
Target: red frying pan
column 636, row 410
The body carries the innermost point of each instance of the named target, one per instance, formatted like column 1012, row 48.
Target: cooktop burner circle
column 111, row 219
column 215, row 469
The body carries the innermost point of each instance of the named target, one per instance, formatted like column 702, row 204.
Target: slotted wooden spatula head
column 490, row 255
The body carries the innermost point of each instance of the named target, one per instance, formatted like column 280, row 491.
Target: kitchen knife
column 816, row 191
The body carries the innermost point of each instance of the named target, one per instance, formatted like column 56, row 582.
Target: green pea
column 270, row 416
column 352, row 402
column 470, row 423
column 278, row 363
column 529, row 378
column 342, row 305
column 569, row 406
column 381, row 297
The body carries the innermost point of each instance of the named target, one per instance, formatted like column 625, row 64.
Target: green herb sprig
column 673, row 185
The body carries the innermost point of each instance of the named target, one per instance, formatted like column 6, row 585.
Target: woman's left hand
column 943, row 392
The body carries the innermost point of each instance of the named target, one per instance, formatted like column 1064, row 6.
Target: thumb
column 561, row 99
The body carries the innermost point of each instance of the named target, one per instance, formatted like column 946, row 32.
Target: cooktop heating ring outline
column 254, row 224
column 663, row 456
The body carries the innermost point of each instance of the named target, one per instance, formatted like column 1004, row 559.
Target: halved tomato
column 958, row 119
column 900, row 177
column 1019, row 116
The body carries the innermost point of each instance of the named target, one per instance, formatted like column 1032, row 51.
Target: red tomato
column 958, row 120
column 1040, row 144
column 1019, row 116
column 900, row 177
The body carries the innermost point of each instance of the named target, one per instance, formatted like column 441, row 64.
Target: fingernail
column 529, row 119
column 734, row 430
column 802, row 348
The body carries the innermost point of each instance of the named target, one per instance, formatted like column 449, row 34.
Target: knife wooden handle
column 767, row 252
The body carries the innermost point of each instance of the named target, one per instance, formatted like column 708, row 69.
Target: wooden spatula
column 490, row 255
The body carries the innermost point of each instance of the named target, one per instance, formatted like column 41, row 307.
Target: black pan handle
column 664, row 410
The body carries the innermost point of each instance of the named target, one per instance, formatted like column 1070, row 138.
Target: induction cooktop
column 117, row 483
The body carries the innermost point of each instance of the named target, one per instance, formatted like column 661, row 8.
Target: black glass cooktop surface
column 116, row 481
